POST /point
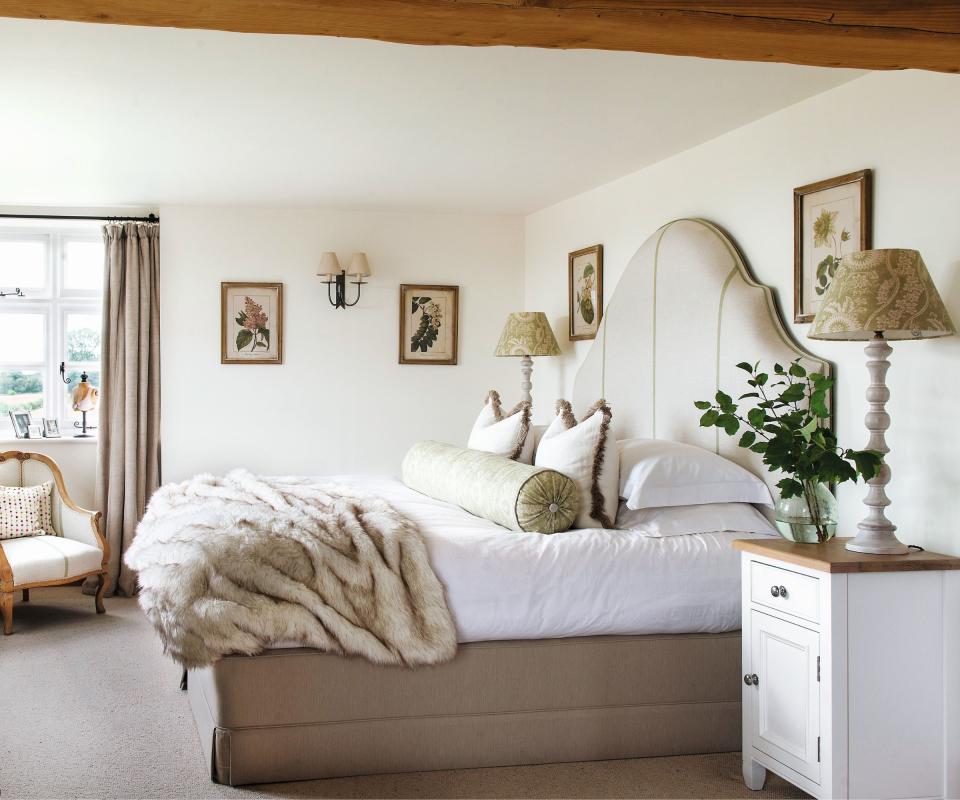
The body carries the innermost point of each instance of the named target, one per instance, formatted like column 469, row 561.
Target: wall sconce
column 336, row 276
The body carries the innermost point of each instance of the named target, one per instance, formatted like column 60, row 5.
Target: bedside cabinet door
column 784, row 703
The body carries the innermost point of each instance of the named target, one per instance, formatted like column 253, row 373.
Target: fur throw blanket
column 233, row 564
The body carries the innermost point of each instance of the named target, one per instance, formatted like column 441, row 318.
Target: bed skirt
column 299, row 714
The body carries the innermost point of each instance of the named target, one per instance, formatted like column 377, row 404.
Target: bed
column 584, row 645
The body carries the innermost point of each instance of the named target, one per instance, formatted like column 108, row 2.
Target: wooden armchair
column 78, row 550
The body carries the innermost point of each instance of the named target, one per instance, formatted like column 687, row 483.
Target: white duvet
column 507, row 585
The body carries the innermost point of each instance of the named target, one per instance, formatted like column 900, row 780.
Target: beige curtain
column 128, row 455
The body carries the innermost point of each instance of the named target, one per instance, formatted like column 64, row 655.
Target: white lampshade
column 329, row 266
column 359, row 266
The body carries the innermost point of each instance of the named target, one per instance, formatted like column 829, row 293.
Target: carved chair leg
column 101, row 588
column 26, row 595
column 6, row 600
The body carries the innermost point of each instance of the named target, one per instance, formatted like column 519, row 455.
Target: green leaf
column 748, row 394
column 807, row 430
column 703, row 405
column 709, row 419
column 762, row 378
column 729, row 423
column 244, row 337
column 265, row 333
column 868, row 462
column 790, row 488
column 748, row 438
column 745, row 367
column 778, row 369
column 759, row 447
column 794, row 393
column 797, row 371
column 756, row 417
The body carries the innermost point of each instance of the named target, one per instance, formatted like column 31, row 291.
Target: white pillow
column 506, row 435
column 25, row 511
column 656, row 472
column 587, row 453
column 682, row 520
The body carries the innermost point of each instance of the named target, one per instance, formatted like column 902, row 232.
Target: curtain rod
column 150, row 218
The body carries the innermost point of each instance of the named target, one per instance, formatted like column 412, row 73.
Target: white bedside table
column 843, row 661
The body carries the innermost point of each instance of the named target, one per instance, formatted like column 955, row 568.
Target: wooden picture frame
column 242, row 305
column 823, row 214
column 585, row 292
column 428, row 313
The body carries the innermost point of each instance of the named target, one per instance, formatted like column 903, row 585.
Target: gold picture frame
column 428, row 323
column 251, row 323
column 585, row 292
column 831, row 218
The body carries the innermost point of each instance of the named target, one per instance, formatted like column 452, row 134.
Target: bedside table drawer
column 790, row 592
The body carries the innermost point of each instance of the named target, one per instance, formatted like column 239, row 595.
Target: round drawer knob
column 751, row 680
column 775, row 591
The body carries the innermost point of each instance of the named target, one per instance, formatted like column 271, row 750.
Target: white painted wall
column 902, row 125
column 340, row 402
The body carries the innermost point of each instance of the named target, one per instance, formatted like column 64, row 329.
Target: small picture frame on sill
column 35, row 431
column 831, row 219
column 21, row 423
column 585, row 284
column 51, row 429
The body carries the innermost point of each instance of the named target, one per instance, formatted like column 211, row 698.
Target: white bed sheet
column 507, row 585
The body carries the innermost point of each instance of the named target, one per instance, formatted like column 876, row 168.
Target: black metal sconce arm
column 338, row 295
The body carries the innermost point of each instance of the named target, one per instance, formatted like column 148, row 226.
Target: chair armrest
column 81, row 526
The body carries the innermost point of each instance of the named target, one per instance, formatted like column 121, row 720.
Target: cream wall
column 340, row 402
column 902, row 125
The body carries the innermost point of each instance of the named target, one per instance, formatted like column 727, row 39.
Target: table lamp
column 876, row 296
column 526, row 334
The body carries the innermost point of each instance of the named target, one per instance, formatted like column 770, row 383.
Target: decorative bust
column 85, row 396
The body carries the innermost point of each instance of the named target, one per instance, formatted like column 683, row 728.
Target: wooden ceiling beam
column 865, row 34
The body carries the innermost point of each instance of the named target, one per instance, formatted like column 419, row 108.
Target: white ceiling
column 96, row 114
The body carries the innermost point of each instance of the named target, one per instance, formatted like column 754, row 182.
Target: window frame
column 54, row 304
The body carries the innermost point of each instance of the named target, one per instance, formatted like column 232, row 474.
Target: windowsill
column 24, row 444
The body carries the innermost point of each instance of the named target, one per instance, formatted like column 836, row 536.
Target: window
column 60, row 272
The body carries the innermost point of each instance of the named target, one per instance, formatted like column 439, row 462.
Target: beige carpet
column 91, row 708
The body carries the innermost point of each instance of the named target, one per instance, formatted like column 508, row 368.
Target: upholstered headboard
column 684, row 313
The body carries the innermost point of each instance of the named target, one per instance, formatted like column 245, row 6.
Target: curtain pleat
column 128, row 452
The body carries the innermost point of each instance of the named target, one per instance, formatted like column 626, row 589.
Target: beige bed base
column 299, row 714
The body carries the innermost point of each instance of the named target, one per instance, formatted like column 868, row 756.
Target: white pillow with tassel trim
column 506, row 435
column 587, row 453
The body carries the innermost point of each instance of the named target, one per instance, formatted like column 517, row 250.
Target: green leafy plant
column 787, row 423
column 430, row 320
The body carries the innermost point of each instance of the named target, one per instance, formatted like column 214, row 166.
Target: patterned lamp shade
column 527, row 333
column 887, row 291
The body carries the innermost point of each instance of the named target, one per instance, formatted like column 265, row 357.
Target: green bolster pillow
column 518, row 496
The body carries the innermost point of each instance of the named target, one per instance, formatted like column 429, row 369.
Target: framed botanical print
column 830, row 219
column 251, row 323
column 585, row 281
column 428, row 324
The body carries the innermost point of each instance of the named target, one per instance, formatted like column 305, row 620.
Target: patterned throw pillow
column 25, row 511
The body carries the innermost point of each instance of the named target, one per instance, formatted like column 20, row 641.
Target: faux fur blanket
column 233, row 564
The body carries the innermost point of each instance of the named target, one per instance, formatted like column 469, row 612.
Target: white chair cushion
column 34, row 559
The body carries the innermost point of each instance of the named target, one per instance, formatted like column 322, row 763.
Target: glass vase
column 810, row 517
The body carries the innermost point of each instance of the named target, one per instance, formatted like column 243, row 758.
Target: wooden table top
column 834, row 557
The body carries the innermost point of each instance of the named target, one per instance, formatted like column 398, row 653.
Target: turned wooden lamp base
column 876, row 532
